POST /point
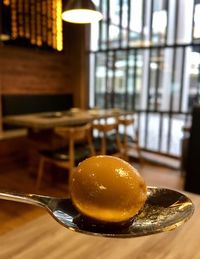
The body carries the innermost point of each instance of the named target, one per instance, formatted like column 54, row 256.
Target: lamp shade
column 81, row 11
column 5, row 25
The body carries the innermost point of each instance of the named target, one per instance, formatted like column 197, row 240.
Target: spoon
column 164, row 210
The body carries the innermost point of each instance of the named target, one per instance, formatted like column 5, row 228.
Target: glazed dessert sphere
column 107, row 188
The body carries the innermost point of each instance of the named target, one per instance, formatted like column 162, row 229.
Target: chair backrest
column 126, row 121
column 131, row 135
column 75, row 133
column 104, row 129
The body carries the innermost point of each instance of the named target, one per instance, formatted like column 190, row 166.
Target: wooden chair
column 79, row 146
column 129, row 142
column 104, row 143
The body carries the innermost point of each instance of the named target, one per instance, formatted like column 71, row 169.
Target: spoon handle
column 33, row 199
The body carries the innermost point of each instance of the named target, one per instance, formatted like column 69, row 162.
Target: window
column 145, row 57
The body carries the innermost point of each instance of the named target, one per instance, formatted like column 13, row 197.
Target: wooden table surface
column 54, row 119
column 43, row 238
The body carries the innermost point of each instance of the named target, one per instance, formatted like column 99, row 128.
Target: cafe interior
column 121, row 80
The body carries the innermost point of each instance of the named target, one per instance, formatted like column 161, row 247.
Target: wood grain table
column 44, row 238
column 54, row 119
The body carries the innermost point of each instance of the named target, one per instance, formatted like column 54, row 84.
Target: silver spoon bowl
column 163, row 211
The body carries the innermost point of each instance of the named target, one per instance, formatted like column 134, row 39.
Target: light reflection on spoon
column 164, row 210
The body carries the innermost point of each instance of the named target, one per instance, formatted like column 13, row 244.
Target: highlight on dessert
column 107, row 188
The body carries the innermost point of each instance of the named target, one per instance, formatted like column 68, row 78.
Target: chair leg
column 103, row 144
column 70, row 172
column 91, row 147
column 140, row 158
column 123, row 144
column 119, row 145
column 126, row 157
column 40, row 172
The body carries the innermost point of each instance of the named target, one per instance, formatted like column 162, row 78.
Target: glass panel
column 135, row 33
column 100, row 80
column 184, row 21
column 120, row 80
column 130, row 80
column 139, row 62
column 114, row 30
column 177, row 134
column 176, row 78
column 156, row 63
column 142, row 129
column 153, row 131
column 159, row 21
column 110, row 79
column 197, row 22
column 164, row 136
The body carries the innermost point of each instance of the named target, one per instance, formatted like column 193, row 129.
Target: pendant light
column 5, row 31
column 81, row 11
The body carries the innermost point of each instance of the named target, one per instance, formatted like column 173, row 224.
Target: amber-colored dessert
column 108, row 189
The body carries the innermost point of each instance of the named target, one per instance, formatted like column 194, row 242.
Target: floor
column 19, row 179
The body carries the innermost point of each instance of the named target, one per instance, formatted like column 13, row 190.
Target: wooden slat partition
column 33, row 71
